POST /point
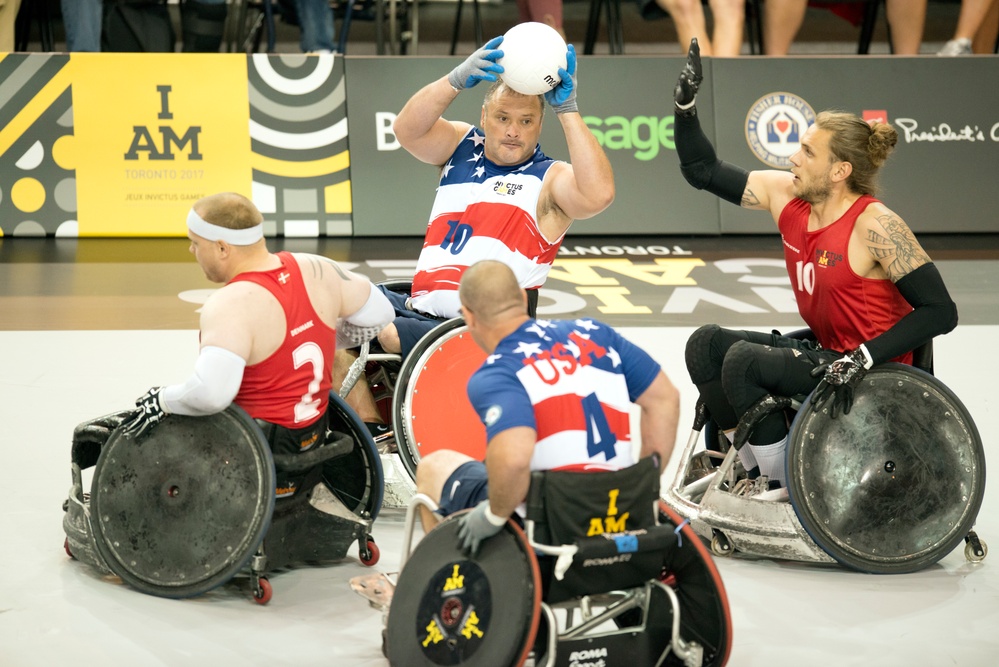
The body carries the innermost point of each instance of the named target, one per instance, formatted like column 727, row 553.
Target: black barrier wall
column 942, row 176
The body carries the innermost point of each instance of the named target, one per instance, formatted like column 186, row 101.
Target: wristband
column 492, row 518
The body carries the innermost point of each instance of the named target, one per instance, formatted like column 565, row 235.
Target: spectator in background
column 727, row 16
column 8, row 16
column 783, row 18
column 548, row 12
column 976, row 29
column 315, row 23
column 202, row 24
column 82, row 19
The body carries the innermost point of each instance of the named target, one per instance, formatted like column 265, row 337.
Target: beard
column 815, row 192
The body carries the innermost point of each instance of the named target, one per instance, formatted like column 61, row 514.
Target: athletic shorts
column 411, row 325
column 283, row 440
column 467, row 486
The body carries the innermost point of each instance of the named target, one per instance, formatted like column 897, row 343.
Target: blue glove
column 480, row 66
column 690, row 80
column 839, row 380
column 475, row 526
column 148, row 414
column 563, row 96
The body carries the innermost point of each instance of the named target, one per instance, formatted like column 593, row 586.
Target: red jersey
column 842, row 309
column 291, row 387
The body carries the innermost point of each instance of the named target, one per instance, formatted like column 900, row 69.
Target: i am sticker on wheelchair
column 454, row 613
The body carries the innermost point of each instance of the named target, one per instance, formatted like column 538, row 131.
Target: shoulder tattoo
column 749, row 199
column 892, row 239
column 317, row 263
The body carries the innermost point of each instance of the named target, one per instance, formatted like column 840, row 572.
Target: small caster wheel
column 369, row 553
column 973, row 554
column 720, row 545
column 262, row 591
column 65, row 545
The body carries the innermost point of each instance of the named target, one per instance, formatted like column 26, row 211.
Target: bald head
column 490, row 291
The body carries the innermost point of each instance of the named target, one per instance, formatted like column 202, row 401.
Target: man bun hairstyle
column 866, row 146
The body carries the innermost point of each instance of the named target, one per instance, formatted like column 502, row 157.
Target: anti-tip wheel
column 370, row 553
column 971, row 555
column 720, row 545
column 262, row 591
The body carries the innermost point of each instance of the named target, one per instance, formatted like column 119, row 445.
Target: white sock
column 771, row 460
column 746, row 454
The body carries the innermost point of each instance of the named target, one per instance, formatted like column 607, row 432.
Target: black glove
column 475, row 526
column 148, row 414
column 689, row 81
column 839, row 379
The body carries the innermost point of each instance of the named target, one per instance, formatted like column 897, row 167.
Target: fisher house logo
column 774, row 127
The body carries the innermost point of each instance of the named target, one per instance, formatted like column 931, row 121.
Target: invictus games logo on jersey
column 825, row 258
column 507, row 188
column 774, row 127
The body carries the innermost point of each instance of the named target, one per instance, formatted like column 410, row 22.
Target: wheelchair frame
column 338, row 506
column 775, row 529
column 592, row 625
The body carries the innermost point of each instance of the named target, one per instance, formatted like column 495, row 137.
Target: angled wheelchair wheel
column 704, row 611
column 448, row 609
column 430, row 409
column 184, row 510
column 895, row 485
column 357, row 479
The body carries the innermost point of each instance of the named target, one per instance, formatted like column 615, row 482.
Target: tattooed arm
column 890, row 244
column 892, row 252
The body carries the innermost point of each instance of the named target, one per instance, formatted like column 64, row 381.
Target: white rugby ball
column 532, row 55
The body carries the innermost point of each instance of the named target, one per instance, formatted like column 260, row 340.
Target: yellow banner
column 151, row 138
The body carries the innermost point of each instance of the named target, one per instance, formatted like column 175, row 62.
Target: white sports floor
column 55, row 611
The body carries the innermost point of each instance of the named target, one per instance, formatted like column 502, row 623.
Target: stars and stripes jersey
column 842, row 309
column 291, row 387
column 574, row 383
column 482, row 211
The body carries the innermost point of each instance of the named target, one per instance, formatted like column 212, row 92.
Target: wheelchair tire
column 431, row 620
column 704, row 610
column 895, row 485
column 357, row 479
column 184, row 510
column 430, row 409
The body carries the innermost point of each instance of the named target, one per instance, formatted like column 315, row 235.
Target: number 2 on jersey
column 309, row 353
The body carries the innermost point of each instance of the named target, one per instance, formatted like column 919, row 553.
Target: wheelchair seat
column 615, row 576
column 193, row 504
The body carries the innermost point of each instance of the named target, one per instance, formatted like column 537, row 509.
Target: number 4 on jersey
column 599, row 437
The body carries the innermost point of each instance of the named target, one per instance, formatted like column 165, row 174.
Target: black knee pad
column 736, row 375
column 702, row 365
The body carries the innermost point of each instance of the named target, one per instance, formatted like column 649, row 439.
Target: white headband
column 207, row 230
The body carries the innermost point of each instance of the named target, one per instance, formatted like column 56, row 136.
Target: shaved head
column 491, row 292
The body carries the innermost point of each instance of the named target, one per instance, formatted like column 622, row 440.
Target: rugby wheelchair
column 422, row 397
column 193, row 505
column 601, row 574
column 891, row 487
